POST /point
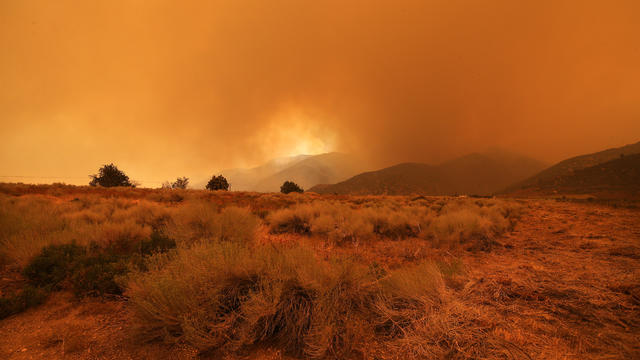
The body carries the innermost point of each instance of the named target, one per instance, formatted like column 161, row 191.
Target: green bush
column 289, row 187
column 97, row 275
column 28, row 297
column 157, row 242
column 94, row 271
column 218, row 183
column 110, row 176
column 53, row 264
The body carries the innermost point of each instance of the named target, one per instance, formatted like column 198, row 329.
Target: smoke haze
column 172, row 88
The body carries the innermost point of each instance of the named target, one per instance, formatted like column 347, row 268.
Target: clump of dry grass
column 225, row 296
column 26, row 226
column 199, row 220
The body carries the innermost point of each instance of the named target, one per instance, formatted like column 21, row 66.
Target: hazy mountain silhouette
column 613, row 173
column 317, row 169
column 571, row 165
column 305, row 170
column 246, row 179
column 477, row 173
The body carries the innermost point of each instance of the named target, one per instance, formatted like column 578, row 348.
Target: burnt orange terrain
column 328, row 277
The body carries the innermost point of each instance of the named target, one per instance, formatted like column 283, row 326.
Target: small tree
column 109, row 176
column 290, row 186
column 218, row 183
column 180, row 183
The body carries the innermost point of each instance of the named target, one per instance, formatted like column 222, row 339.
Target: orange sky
column 173, row 88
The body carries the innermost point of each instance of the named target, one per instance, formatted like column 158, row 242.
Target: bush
column 473, row 223
column 180, row 183
column 291, row 221
column 227, row 296
column 218, row 183
column 201, row 221
column 92, row 271
column 157, row 242
column 109, row 176
column 28, row 297
column 97, row 275
column 289, row 187
column 53, row 265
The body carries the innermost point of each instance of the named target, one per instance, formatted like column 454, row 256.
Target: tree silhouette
column 109, row 176
column 218, row 183
column 290, row 186
column 180, row 183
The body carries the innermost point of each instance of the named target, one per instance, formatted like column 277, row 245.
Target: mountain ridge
column 475, row 173
column 570, row 165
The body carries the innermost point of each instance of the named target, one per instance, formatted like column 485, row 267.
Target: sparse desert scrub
column 544, row 294
column 200, row 220
column 30, row 223
column 225, row 296
column 480, row 221
column 220, row 289
column 448, row 222
column 26, row 226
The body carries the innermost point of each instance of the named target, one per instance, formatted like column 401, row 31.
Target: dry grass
column 262, row 271
column 225, row 296
column 452, row 223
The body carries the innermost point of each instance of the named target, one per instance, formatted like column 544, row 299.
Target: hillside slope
column 478, row 173
column 245, row 179
column 618, row 178
column 568, row 166
column 305, row 170
column 317, row 169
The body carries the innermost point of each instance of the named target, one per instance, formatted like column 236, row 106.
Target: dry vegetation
column 309, row 276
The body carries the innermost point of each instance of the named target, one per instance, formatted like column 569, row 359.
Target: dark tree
column 109, row 176
column 180, row 183
column 218, row 183
column 290, row 186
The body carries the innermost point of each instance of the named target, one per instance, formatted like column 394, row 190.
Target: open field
column 95, row 273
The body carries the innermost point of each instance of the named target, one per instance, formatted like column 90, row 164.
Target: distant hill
column 618, row 178
column 317, row 169
column 305, row 170
column 569, row 166
column 478, row 173
column 246, row 179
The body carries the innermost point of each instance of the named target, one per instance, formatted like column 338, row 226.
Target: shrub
column 97, row 275
column 26, row 298
column 296, row 220
column 27, row 224
column 180, row 183
column 198, row 221
column 218, row 183
column 157, row 242
column 53, row 264
column 227, row 296
column 473, row 223
column 123, row 238
column 289, row 187
column 92, row 271
column 109, row 176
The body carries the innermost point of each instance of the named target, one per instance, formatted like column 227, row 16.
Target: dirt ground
column 565, row 284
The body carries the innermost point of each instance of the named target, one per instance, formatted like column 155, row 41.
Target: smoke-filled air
column 330, row 180
column 168, row 88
